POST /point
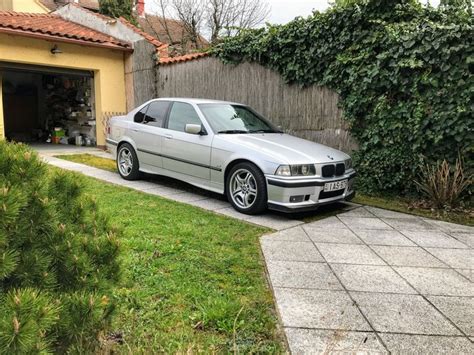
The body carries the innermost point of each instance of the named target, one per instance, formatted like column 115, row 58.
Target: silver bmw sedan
column 230, row 149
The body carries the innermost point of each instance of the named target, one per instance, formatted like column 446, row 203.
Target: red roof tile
column 183, row 58
column 52, row 26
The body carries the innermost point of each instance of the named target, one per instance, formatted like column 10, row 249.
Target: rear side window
column 156, row 113
column 182, row 114
column 140, row 115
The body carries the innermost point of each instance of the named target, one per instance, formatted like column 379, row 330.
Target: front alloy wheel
column 243, row 188
column 246, row 189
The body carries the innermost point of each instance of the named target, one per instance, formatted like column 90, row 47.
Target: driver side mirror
column 194, row 129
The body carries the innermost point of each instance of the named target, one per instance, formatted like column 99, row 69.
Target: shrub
column 403, row 72
column 443, row 184
column 58, row 259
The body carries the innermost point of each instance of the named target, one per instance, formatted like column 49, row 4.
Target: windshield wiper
column 233, row 131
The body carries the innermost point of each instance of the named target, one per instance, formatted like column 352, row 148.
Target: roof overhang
column 51, row 38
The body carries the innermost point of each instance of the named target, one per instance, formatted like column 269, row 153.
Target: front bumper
column 303, row 194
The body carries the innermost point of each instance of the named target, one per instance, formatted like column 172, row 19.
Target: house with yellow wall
column 64, row 73
column 32, row 6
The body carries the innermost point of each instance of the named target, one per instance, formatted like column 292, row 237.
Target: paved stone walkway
column 167, row 188
column 374, row 281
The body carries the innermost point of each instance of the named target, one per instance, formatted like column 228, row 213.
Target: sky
column 283, row 11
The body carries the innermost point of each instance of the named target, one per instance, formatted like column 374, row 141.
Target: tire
column 246, row 189
column 129, row 168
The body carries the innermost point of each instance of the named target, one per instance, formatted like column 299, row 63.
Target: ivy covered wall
column 404, row 72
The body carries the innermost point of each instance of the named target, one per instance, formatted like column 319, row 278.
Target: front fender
column 267, row 167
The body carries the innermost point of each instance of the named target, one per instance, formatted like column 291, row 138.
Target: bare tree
column 191, row 15
column 226, row 16
column 214, row 18
column 163, row 7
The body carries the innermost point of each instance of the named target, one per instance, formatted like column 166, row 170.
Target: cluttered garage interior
column 48, row 105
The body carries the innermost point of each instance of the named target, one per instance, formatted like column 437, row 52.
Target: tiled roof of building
column 183, row 58
column 49, row 26
column 162, row 48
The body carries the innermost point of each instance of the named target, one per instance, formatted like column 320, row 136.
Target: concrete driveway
column 374, row 281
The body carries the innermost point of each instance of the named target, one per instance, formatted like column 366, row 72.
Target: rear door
column 182, row 152
column 148, row 132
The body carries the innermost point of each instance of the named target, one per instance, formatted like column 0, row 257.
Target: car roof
column 197, row 101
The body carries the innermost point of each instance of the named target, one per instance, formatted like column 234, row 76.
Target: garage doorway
column 48, row 105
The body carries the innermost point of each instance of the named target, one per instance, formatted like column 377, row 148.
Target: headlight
column 296, row 170
column 348, row 164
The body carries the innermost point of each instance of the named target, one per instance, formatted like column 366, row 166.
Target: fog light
column 295, row 199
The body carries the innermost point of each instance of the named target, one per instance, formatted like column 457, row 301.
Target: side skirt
column 203, row 184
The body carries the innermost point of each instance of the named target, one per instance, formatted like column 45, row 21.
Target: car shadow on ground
column 307, row 216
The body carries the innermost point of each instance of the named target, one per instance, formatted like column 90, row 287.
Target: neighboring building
column 71, row 69
column 56, row 73
column 44, row 6
column 34, row 6
column 172, row 32
column 169, row 31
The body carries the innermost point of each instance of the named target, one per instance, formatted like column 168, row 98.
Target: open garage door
column 48, row 105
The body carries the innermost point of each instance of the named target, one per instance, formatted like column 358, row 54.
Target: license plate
column 334, row 186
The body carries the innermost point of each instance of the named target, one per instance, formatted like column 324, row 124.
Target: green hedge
column 403, row 72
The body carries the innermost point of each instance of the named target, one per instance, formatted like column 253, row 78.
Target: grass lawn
column 92, row 160
column 193, row 281
column 390, row 203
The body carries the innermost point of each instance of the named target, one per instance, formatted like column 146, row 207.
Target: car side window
column 182, row 114
column 140, row 115
column 156, row 113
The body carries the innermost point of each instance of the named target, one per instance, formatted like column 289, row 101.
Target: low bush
column 443, row 183
column 58, row 259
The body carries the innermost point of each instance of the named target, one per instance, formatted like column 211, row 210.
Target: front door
column 182, row 152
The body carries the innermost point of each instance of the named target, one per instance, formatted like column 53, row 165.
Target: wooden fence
column 105, row 119
column 310, row 113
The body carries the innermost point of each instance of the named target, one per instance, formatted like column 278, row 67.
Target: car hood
column 286, row 149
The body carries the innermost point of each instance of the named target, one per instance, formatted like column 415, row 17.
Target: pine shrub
column 58, row 259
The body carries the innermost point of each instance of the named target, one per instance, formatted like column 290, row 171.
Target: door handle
column 168, row 136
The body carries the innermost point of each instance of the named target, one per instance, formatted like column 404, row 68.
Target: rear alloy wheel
column 127, row 162
column 246, row 189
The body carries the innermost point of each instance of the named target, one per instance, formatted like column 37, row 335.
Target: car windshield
column 235, row 119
